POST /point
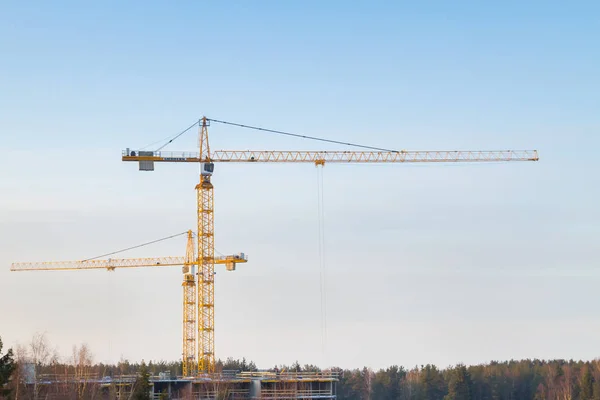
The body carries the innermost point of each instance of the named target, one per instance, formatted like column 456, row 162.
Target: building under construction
column 222, row 386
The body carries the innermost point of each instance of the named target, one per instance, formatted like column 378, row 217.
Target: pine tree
column 460, row 384
column 387, row 383
column 596, row 390
column 295, row 367
column 432, row 383
column 142, row 387
column 252, row 367
column 350, row 385
column 7, row 366
column 587, row 385
column 541, row 392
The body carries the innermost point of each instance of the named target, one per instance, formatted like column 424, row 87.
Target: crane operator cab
column 207, row 169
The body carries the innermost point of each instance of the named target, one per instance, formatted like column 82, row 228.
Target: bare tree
column 22, row 359
column 82, row 360
column 39, row 355
column 564, row 388
column 39, row 349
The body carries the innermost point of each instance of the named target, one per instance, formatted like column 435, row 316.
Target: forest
column 508, row 380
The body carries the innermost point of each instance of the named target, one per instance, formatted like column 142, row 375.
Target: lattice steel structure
column 206, row 159
column 198, row 286
column 206, row 250
column 321, row 157
column 191, row 314
column 190, row 297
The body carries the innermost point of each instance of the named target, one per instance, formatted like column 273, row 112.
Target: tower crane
column 188, row 264
column 203, row 279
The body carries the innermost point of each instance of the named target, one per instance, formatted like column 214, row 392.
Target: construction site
column 230, row 385
column 199, row 379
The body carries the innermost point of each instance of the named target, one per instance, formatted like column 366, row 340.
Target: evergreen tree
column 295, row 367
column 350, row 385
column 7, row 366
column 432, row 383
column 541, row 392
column 387, row 383
column 380, row 385
column 311, row 368
column 587, row 385
column 459, row 385
column 366, row 382
column 142, row 387
column 252, row 367
column 596, row 389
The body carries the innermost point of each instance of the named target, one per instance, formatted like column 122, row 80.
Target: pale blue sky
column 442, row 263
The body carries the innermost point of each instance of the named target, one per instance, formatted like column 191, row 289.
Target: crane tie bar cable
column 168, row 140
column 135, row 247
column 301, row 136
column 176, row 136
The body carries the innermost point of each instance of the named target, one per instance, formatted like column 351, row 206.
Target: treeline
column 512, row 380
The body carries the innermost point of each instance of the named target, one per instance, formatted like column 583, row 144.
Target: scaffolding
column 229, row 385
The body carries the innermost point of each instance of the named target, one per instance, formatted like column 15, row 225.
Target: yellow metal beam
column 190, row 296
column 111, row 264
column 206, row 264
column 338, row 156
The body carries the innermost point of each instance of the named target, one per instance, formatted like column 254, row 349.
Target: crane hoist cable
column 322, row 271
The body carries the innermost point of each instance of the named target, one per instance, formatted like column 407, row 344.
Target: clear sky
column 430, row 263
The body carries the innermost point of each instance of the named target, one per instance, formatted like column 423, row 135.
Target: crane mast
column 190, row 296
column 206, row 250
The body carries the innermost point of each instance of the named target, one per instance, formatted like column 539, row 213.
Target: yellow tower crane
column 199, row 347
column 188, row 262
column 206, row 159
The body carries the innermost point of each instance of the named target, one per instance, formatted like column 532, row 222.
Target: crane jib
column 147, row 159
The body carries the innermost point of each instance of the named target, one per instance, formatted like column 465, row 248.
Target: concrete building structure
column 230, row 385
